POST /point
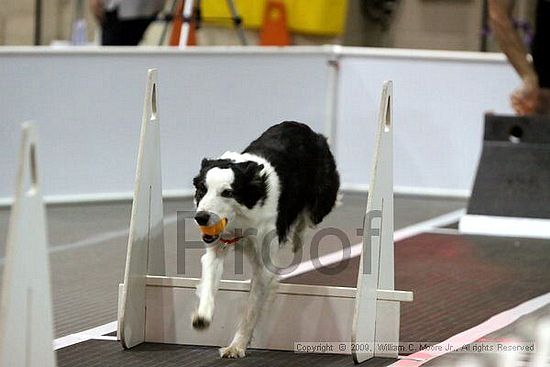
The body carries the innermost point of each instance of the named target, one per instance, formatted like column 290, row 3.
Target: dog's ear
column 204, row 162
column 249, row 168
column 250, row 185
column 197, row 180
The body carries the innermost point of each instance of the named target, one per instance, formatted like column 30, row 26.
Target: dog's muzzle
column 210, row 225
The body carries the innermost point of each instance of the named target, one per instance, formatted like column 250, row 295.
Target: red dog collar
column 231, row 241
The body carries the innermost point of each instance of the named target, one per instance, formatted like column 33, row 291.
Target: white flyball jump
column 146, row 239
column 26, row 331
column 377, row 304
column 156, row 308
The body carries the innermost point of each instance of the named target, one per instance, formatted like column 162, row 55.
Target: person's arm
column 98, row 9
column 510, row 41
column 526, row 99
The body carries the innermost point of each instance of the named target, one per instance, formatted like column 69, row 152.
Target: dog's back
column 309, row 181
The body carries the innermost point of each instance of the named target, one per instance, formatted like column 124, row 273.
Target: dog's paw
column 232, row 352
column 200, row 322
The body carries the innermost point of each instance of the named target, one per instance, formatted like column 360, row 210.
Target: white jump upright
column 146, row 240
column 377, row 305
column 542, row 344
column 26, row 331
column 156, row 308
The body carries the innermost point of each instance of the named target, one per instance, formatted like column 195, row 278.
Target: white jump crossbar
column 26, row 331
column 156, row 308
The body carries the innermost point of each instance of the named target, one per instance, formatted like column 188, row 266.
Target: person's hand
column 97, row 9
column 525, row 99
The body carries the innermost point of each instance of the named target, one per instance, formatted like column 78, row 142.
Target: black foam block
column 513, row 176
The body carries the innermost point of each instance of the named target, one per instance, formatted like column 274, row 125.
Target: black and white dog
column 284, row 181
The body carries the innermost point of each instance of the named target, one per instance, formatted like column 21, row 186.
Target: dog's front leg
column 212, row 269
column 263, row 284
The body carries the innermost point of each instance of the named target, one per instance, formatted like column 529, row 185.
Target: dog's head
column 224, row 191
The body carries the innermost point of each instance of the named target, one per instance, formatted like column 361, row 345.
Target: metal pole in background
column 484, row 26
column 38, row 22
column 185, row 26
column 167, row 23
column 237, row 21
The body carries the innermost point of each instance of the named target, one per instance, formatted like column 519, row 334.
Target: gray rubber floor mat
column 100, row 353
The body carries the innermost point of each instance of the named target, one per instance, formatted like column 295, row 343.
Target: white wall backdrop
column 439, row 103
column 88, row 106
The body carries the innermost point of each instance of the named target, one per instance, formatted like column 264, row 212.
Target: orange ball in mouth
column 211, row 233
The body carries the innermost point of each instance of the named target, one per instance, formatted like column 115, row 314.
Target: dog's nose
column 202, row 218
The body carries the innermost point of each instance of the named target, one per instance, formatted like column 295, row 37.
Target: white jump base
column 156, row 308
column 487, row 225
column 319, row 313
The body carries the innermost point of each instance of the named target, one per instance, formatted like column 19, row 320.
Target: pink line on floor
column 493, row 324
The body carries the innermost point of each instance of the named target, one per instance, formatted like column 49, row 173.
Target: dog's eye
column 227, row 193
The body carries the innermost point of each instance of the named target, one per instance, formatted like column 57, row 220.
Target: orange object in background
column 176, row 27
column 274, row 30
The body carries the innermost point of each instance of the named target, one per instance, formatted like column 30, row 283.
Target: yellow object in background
column 314, row 17
column 317, row 17
column 251, row 11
